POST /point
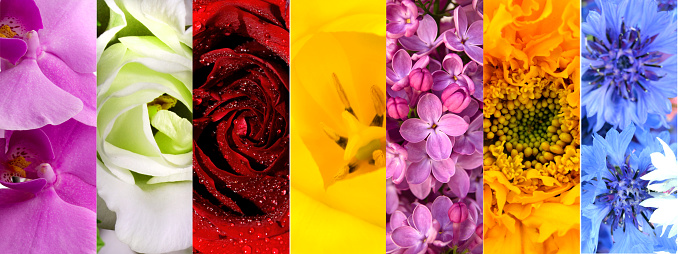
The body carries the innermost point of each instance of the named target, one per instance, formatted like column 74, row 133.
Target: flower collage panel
column 434, row 73
column 264, row 126
column 144, row 130
column 531, row 155
column 241, row 126
column 47, row 126
column 338, row 134
column 629, row 166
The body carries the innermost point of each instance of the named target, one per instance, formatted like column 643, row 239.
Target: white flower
column 663, row 181
column 144, row 134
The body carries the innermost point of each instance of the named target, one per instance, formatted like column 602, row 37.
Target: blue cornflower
column 666, row 5
column 612, row 190
column 628, row 63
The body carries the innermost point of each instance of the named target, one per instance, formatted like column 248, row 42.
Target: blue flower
column 628, row 63
column 612, row 190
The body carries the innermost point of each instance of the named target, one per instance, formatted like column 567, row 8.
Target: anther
column 342, row 94
column 379, row 106
column 340, row 140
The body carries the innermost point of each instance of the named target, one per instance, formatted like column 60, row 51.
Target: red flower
column 241, row 127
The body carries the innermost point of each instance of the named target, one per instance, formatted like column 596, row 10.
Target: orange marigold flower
column 531, row 125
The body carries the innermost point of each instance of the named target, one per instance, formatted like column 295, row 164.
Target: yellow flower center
column 6, row 32
column 407, row 21
column 365, row 143
column 530, row 130
column 165, row 102
column 17, row 166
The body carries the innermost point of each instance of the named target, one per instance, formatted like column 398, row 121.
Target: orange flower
column 531, row 148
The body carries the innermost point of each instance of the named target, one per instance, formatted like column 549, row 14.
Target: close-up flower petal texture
column 434, row 127
column 241, row 127
column 531, row 125
column 47, row 54
column 49, row 203
column 629, row 124
column 144, row 126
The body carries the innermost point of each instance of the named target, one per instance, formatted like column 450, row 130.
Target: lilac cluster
column 434, row 153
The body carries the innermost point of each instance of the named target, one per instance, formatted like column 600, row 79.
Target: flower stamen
column 163, row 102
column 6, row 32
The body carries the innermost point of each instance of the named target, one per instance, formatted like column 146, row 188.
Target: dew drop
column 246, row 249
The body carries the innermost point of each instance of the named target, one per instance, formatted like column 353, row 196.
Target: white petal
column 116, row 23
column 113, row 245
column 150, row 218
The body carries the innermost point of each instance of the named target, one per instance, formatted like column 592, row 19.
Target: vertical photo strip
column 338, row 134
column 47, row 126
column 531, row 123
column 241, row 134
column 434, row 74
column 144, row 130
column 628, row 94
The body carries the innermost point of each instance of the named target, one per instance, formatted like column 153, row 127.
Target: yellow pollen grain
column 6, row 32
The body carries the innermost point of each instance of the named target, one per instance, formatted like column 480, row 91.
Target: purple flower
column 458, row 212
column 51, row 201
column 472, row 140
column 465, row 39
column 460, row 182
column 478, row 6
column 419, row 234
column 426, row 41
column 398, row 75
column 50, row 60
column 421, row 79
column 455, row 98
column 421, row 190
column 440, row 209
column 453, row 73
column 396, row 162
column 422, row 165
column 398, row 219
column 391, row 48
column 434, row 127
column 402, row 19
column 397, row 108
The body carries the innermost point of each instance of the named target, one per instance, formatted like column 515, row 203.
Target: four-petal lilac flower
column 434, row 127
column 453, row 73
column 426, row 40
column 419, row 234
column 402, row 19
column 465, row 39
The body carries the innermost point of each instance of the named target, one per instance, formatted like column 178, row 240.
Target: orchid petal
column 35, row 101
column 69, row 32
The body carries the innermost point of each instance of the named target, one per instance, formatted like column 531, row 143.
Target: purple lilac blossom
column 403, row 20
column 463, row 38
column 434, row 142
column 434, row 126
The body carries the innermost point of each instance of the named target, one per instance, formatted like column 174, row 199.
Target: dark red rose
column 241, row 126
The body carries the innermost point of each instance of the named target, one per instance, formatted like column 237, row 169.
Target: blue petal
column 631, row 241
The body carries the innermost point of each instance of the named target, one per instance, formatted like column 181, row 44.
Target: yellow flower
column 338, row 138
column 531, row 125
